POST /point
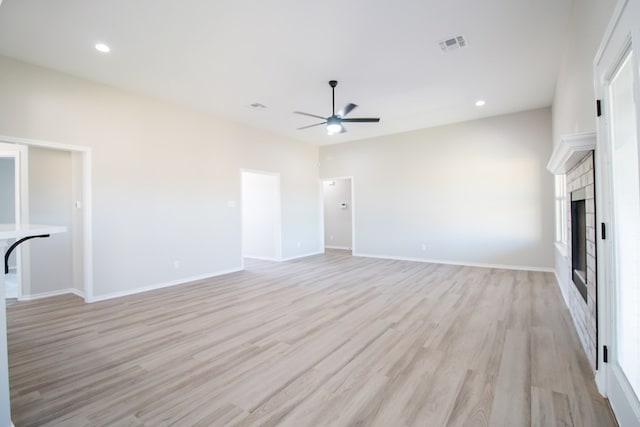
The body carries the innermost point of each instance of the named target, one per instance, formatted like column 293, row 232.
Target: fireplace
column 576, row 248
column 579, row 241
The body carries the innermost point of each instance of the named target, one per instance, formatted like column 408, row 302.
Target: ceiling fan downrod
column 333, row 84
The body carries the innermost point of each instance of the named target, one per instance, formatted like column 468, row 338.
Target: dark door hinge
column 598, row 108
column 605, row 354
column 603, row 231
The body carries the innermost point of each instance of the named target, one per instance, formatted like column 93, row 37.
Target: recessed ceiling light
column 480, row 103
column 101, row 47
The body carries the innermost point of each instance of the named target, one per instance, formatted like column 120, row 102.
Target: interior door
column 618, row 77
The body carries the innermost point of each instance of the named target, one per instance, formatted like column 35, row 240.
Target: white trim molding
column 184, row 281
column 69, row 291
column 569, row 151
column 262, row 258
column 301, row 256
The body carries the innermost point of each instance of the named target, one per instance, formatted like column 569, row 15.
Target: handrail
column 15, row 245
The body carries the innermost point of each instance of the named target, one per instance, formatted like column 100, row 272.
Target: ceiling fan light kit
column 334, row 121
column 334, row 126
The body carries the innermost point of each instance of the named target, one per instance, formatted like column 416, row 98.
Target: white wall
column 337, row 220
column 50, row 202
column 7, row 190
column 162, row 176
column 472, row 193
column 260, row 216
column 574, row 100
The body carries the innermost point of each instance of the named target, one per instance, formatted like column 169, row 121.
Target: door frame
column 20, row 155
column 622, row 33
column 87, row 234
column 353, row 211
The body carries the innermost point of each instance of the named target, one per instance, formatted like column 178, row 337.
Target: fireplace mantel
column 570, row 150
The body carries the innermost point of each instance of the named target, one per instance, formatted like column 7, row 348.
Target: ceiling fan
column 334, row 121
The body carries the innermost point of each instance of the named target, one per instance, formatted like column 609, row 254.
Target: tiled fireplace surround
column 575, row 157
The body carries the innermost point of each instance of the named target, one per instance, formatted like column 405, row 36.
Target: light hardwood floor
column 327, row 340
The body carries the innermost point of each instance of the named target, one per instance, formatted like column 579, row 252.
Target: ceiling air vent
column 453, row 43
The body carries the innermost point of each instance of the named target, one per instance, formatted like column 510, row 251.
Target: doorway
column 617, row 81
column 260, row 205
column 337, row 194
column 13, row 210
column 80, row 230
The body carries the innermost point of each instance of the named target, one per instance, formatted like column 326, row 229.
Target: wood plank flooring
column 329, row 340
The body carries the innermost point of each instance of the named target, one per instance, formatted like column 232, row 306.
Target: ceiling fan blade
column 310, row 115
column 310, row 126
column 346, row 110
column 362, row 120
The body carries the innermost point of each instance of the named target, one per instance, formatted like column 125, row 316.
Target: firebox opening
column 579, row 241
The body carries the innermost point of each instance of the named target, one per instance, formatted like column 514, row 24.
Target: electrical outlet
column 330, row 237
column 176, row 265
column 298, row 244
column 424, row 247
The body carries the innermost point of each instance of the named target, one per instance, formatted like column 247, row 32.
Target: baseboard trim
column 261, row 258
column 561, row 288
column 565, row 298
column 183, row 281
column 77, row 292
column 460, row 263
column 344, row 248
column 302, row 256
column 52, row 294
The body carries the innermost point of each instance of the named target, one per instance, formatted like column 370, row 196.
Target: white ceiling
column 220, row 56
